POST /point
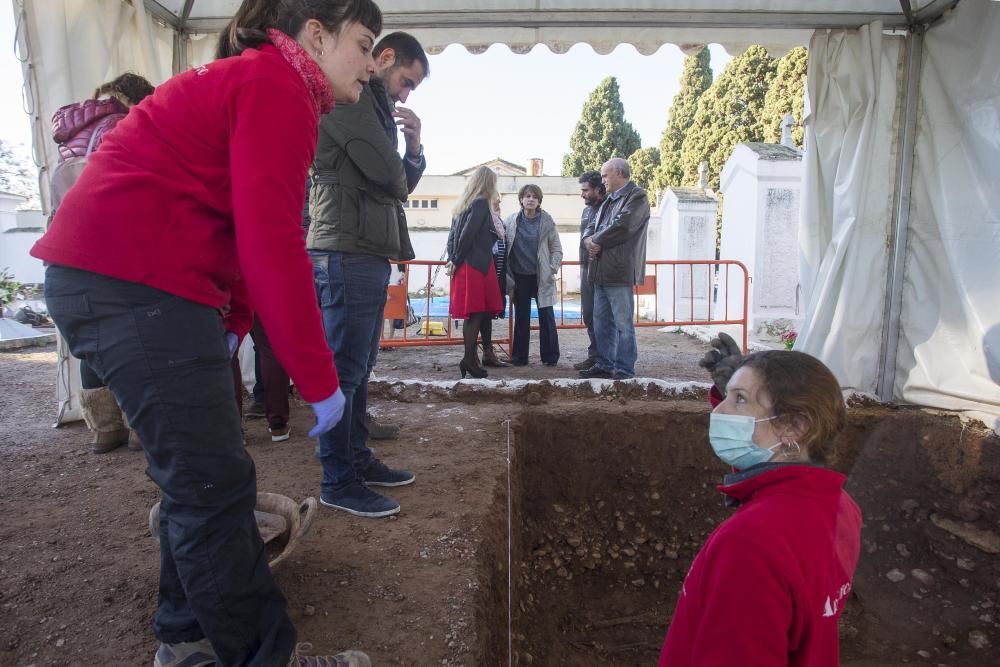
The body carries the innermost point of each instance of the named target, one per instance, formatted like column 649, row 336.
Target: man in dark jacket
column 593, row 193
column 616, row 241
column 357, row 227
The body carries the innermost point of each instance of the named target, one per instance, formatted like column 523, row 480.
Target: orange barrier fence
column 674, row 293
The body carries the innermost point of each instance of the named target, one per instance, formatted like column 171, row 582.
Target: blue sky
column 477, row 107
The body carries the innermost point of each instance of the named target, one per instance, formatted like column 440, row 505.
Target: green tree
column 787, row 95
column 729, row 112
column 18, row 174
column 695, row 80
column 602, row 132
column 644, row 165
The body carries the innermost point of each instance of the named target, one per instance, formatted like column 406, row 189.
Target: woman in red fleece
column 194, row 203
column 771, row 582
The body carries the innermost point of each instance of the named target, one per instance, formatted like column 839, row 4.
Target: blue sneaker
column 187, row 654
column 359, row 500
column 379, row 474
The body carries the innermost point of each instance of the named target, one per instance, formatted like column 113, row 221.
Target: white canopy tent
column 899, row 231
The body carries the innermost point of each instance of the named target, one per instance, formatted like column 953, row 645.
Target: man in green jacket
column 358, row 226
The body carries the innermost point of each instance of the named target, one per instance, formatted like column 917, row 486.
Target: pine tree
column 787, row 95
column 644, row 165
column 602, row 132
column 729, row 112
column 695, row 80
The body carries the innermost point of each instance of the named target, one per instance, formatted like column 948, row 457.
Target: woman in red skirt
column 475, row 292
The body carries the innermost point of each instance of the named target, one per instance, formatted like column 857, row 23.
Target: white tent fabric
column 952, row 272
column 847, row 199
column 69, row 48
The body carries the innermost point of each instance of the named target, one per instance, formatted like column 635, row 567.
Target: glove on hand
column 328, row 413
column 232, row 341
column 721, row 361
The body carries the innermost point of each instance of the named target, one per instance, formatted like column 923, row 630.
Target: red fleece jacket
column 771, row 581
column 199, row 192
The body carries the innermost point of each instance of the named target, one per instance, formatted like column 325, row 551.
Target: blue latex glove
column 328, row 413
column 232, row 340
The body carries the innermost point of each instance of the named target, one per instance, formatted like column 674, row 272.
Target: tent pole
column 899, row 229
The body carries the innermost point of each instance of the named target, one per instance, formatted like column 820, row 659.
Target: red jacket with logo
column 771, row 582
column 198, row 192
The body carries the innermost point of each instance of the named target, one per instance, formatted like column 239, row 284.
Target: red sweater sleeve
column 239, row 318
column 272, row 139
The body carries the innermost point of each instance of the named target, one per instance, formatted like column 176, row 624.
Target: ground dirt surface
column 612, row 494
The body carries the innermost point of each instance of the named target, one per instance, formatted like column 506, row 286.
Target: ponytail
column 248, row 27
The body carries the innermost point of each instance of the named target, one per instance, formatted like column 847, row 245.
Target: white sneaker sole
column 367, row 515
column 281, row 438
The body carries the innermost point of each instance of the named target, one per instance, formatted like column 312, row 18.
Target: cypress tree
column 695, row 80
column 787, row 95
column 644, row 165
column 602, row 132
column 729, row 112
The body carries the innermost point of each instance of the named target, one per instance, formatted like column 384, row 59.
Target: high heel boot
column 472, row 369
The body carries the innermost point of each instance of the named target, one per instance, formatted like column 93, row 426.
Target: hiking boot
column 256, row 410
column 619, row 375
column 344, row 659
column 596, row 371
column 103, row 417
column 379, row 474
column 359, row 500
column 584, row 365
column 378, row 430
column 187, row 654
column 279, row 432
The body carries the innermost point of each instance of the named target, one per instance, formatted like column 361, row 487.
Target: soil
column 612, row 493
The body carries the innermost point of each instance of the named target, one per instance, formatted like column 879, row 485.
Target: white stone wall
column 18, row 232
column 760, row 229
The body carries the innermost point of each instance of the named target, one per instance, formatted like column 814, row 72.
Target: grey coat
column 622, row 260
column 549, row 256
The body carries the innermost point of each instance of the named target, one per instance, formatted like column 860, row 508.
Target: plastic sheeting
column 949, row 348
column 847, row 199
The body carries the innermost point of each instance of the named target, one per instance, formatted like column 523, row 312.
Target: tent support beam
column 900, row 226
column 411, row 20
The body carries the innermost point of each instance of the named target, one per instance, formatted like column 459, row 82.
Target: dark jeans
column 167, row 363
column 587, row 310
column 272, row 376
column 526, row 289
column 352, row 292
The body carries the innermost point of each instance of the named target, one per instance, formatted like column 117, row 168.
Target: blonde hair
column 482, row 184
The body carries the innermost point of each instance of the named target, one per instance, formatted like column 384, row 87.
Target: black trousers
column 166, row 361
column 526, row 289
column 587, row 310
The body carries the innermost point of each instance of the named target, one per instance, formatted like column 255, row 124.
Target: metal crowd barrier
column 674, row 293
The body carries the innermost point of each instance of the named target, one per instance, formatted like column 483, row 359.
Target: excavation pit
column 609, row 503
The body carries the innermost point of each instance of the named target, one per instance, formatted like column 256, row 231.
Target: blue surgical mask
column 731, row 436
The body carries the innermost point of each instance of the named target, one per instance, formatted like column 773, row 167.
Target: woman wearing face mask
column 191, row 205
column 770, row 583
column 534, row 255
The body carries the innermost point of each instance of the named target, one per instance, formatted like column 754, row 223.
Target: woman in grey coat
column 534, row 255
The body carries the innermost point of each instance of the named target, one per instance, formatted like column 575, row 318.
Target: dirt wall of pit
column 611, row 502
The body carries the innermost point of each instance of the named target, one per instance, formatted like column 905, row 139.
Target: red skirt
column 474, row 292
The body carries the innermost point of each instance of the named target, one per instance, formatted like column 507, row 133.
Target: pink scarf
column 307, row 68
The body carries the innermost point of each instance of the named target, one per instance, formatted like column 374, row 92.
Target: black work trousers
column 526, row 289
column 166, row 361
